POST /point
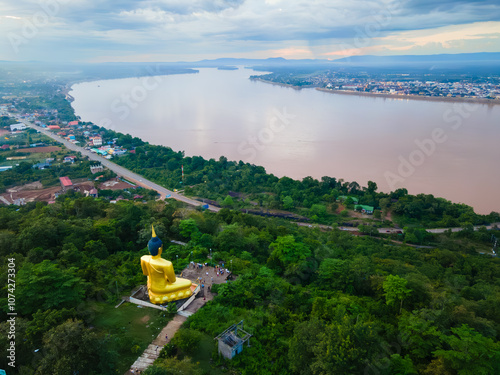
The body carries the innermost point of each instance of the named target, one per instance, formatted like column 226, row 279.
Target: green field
column 134, row 328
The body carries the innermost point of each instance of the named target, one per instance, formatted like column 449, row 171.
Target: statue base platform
column 160, row 299
column 140, row 297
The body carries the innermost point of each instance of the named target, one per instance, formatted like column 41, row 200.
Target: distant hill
column 450, row 58
column 359, row 59
column 481, row 57
column 483, row 63
column 272, row 61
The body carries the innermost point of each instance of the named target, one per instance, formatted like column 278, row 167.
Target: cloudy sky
column 190, row 30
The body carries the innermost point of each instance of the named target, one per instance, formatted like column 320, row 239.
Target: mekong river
column 450, row 150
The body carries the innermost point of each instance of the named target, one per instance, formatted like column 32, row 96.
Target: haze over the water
column 309, row 133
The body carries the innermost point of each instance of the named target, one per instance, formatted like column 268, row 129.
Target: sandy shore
column 414, row 97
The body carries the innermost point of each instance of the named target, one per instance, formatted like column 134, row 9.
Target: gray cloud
column 183, row 26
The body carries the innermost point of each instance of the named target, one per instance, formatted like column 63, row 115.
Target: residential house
column 96, row 169
column 364, row 209
column 119, row 152
column 42, row 165
column 65, row 183
column 96, row 141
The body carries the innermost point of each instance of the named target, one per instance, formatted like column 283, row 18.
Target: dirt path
column 169, row 331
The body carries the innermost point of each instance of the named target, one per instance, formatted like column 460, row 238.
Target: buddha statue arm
column 144, row 267
column 170, row 273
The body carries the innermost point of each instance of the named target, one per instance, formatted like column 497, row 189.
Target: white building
column 96, row 141
column 17, row 127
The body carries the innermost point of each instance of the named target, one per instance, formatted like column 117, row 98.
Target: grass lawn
column 133, row 327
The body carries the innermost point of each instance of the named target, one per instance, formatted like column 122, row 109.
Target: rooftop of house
column 65, row 181
column 364, row 207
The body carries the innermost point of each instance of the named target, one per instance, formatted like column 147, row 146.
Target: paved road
column 397, row 230
column 442, row 230
column 120, row 171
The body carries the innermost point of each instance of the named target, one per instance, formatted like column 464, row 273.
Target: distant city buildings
column 416, row 87
column 394, row 84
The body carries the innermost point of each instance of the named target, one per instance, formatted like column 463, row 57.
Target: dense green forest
column 6, row 121
column 315, row 199
column 316, row 302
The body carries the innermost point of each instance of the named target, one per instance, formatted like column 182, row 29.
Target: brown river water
column 450, row 150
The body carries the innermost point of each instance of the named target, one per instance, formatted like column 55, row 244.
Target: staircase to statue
column 188, row 308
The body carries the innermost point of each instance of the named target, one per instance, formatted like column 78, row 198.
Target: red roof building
column 54, row 127
column 65, row 182
column 72, row 123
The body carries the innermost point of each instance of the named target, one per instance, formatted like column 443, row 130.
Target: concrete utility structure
column 230, row 342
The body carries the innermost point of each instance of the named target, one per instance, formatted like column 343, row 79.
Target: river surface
column 450, row 150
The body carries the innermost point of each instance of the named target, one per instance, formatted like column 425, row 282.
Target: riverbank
column 414, row 97
column 281, row 84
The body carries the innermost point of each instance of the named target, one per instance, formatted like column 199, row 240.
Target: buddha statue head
column 155, row 245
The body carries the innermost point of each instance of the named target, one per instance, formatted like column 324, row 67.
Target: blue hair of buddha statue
column 154, row 244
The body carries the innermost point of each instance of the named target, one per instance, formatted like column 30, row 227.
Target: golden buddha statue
column 163, row 285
